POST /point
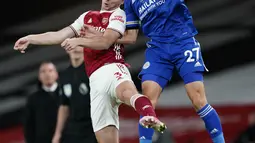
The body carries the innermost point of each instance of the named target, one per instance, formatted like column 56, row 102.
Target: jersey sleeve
column 78, row 24
column 117, row 21
column 64, row 100
column 132, row 19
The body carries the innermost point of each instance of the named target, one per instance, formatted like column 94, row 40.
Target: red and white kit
column 106, row 68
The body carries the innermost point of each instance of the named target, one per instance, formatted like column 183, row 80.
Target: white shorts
column 103, row 100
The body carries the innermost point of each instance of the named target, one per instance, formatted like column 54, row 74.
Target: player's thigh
column 109, row 134
column 123, row 87
column 104, row 112
column 189, row 61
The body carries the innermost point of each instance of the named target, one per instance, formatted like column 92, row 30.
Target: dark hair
column 47, row 62
column 39, row 84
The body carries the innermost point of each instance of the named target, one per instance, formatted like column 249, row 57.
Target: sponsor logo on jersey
column 100, row 29
column 118, row 18
column 148, row 6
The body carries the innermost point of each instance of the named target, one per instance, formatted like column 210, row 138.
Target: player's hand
column 89, row 31
column 70, row 44
column 21, row 44
column 56, row 138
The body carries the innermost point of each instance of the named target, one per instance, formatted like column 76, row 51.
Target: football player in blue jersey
column 169, row 25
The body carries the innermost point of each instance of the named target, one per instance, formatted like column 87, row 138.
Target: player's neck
column 76, row 62
column 112, row 9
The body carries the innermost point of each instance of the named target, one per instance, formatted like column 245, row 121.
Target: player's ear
column 122, row 6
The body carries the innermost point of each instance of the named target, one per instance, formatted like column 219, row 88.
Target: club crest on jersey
column 104, row 20
column 83, row 89
column 146, row 65
column 67, row 90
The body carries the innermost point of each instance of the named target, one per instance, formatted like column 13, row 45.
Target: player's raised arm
column 132, row 25
column 115, row 29
column 129, row 37
column 50, row 38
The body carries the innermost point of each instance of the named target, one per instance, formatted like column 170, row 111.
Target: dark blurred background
column 226, row 34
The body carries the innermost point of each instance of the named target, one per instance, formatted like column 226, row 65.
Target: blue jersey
column 161, row 20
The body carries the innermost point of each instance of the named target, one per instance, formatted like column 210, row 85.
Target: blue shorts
column 162, row 58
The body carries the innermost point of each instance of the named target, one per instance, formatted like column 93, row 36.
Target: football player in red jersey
column 110, row 80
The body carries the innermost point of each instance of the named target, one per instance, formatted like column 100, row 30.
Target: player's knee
column 199, row 103
column 152, row 90
column 196, row 93
column 125, row 91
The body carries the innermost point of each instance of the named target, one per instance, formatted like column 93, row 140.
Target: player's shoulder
column 118, row 13
column 119, row 10
column 34, row 95
column 93, row 13
column 90, row 13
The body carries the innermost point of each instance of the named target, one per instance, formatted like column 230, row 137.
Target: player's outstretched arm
column 97, row 42
column 129, row 37
column 48, row 38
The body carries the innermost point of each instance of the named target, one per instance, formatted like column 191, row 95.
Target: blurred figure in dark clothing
column 42, row 106
column 248, row 136
column 74, row 122
column 165, row 137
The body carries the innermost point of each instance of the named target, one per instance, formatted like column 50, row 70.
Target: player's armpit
column 129, row 37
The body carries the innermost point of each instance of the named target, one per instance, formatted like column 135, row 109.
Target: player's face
column 76, row 53
column 111, row 4
column 48, row 74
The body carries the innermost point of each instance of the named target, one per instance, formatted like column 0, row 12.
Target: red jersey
column 101, row 20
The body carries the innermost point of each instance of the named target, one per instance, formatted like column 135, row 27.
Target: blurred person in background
column 166, row 137
column 74, row 123
column 42, row 106
column 248, row 135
